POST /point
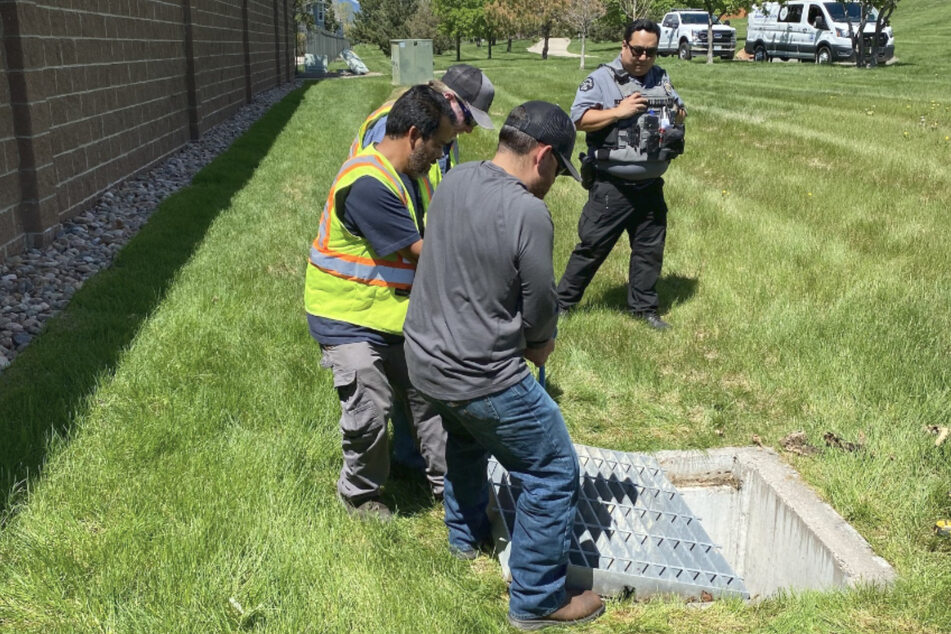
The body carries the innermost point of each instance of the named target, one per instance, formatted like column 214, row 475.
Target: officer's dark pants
column 615, row 206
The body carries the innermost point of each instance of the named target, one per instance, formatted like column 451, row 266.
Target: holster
column 672, row 142
column 587, row 170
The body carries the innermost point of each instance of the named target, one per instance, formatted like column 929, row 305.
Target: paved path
column 557, row 47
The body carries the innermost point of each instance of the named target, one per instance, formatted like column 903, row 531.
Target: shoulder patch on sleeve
column 668, row 88
column 586, row 85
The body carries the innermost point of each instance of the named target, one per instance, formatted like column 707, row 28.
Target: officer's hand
column 680, row 115
column 631, row 106
column 538, row 356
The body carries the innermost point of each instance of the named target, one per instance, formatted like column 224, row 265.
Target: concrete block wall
column 93, row 91
column 11, row 232
column 221, row 81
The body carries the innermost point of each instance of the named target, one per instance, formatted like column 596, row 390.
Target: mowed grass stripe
column 202, row 467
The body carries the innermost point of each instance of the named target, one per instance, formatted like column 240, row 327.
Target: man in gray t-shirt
column 483, row 302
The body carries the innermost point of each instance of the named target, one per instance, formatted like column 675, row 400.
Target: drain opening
column 725, row 523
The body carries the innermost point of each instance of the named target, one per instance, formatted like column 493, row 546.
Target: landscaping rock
column 37, row 284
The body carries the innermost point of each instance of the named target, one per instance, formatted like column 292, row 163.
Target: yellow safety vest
column 428, row 182
column 346, row 280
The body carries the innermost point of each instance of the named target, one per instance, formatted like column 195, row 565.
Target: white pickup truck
column 817, row 31
column 684, row 32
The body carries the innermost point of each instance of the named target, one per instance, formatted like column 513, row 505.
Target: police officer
column 633, row 120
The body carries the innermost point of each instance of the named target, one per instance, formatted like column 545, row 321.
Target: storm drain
column 633, row 531
column 773, row 529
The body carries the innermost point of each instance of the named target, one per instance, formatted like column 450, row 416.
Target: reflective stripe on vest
column 357, row 262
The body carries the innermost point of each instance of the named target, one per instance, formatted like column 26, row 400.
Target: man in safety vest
column 361, row 270
column 470, row 95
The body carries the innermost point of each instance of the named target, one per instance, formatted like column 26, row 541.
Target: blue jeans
column 523, row 428
column 404, row 446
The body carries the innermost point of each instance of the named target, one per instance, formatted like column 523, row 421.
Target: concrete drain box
column 763, row 530
column 633, row 531
column 774, row 530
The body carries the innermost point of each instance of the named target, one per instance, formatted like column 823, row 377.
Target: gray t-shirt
column 484, row 286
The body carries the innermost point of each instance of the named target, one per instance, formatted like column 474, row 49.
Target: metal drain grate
column 633, row 531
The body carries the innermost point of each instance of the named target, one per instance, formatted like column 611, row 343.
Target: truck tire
column 759, row 53
column 683, row 52
column 823, row 55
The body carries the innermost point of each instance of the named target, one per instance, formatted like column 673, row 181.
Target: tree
column 719, row 8
column 509, row 17
column 304, row 19
column 547, row 18
column 459, row 19
column 581, row 15
column 380, row 21
column 344, row 12
column 303, row 16
column 619, row 13
column 331, row 23
column 424, row 24
column 866, row 51
column 633, row 9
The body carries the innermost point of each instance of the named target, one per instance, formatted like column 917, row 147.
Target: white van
column 817, row 31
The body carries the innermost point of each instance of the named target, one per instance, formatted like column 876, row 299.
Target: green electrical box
column 412, row 61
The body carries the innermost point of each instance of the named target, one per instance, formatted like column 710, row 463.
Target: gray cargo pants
column 371, row 381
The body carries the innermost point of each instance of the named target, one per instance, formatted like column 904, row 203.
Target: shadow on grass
column 45, row 390
column 672, row 290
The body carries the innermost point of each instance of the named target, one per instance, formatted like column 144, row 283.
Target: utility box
column 412, row 61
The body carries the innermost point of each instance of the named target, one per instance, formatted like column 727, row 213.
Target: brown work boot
column 580, row 608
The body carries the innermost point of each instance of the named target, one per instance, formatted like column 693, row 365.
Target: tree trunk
column 508, row 48
column 709, row 38
column 546, row 32
column 458, row 48
column 581, row 66
column 489, row 40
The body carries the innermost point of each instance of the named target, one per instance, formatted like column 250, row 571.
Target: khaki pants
column 371, row 381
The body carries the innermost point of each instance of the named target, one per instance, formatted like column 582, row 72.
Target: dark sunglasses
column 468, row 119
column 637, row 51
column 560, row 169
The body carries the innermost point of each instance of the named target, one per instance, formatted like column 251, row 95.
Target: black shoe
column 469, row 553
column 652, row 319
column 370, row 509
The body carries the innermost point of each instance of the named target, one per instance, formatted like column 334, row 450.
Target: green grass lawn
column 174, row 443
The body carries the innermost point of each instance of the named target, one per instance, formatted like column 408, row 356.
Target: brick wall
column 94, row 91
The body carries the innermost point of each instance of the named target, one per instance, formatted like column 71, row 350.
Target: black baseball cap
column 472, row 86
column 547, row 123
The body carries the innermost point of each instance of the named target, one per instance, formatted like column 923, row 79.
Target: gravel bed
column 38, row 283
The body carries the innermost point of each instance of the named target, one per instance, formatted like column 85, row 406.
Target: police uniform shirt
column 601, row 90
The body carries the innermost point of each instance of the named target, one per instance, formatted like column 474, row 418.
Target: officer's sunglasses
column 637, row 51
